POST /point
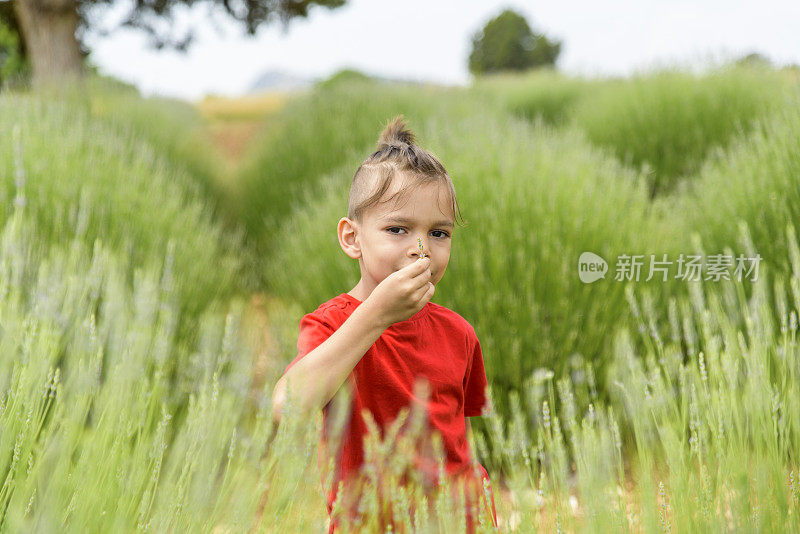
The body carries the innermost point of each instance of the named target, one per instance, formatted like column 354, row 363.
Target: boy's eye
column 397, row 230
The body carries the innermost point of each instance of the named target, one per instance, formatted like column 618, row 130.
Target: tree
column 508, row 43
column 754, row 59
column 52, row 29
column 13, row 63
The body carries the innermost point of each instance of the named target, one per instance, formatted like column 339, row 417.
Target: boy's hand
column 403, row 293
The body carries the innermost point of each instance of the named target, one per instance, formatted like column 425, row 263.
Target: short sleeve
column 314, row 329
column 476, row 399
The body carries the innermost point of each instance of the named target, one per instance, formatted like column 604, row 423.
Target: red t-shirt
column 435, row 344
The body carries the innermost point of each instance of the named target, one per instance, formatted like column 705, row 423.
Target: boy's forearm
column 317, row 376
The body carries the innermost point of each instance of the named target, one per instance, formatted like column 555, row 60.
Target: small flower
column 542, row 375
column 702, row 362
column 546, row 414
column 663, row 512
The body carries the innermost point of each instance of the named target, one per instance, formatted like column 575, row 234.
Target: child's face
column 388, row 235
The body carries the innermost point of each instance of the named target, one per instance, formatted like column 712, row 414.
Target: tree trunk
column 48, row 27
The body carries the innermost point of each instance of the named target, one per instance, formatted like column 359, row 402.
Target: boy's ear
column 348, row 237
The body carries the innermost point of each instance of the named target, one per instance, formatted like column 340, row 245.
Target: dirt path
column 233, row 123
column 257, row 331
column 233, row 138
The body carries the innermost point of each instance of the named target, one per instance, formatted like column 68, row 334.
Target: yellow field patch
column 245, row 107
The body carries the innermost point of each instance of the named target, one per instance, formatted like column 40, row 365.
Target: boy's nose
column 415, row 251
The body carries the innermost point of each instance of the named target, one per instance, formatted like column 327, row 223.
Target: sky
column 430, row 40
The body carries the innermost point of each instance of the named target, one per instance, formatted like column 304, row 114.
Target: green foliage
column 81, row 177
column 172, row 126
column 344, row 76
column 712, row 404
column 13, row 64
column 754, row 59
column 668, row 122
column 507, row 43
column 250, row 15
column 541, row 93
column 671, row 121
column 753, row 182
column 110, row 421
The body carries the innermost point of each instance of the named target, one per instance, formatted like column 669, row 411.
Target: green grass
column 78, row 176
column 97, row 418
column 173, row 126
column 721, row 417
column 540, row 93
column 667, row 121
column 126, row 399
column 671, row 120
column 754, row 182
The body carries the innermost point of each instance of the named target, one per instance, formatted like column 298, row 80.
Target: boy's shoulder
column 340, row 301
column 338, row 307
column 452, row 317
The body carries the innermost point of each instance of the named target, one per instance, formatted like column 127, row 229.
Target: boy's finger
column 418, row 267
column 424, row 292
column 431, row 290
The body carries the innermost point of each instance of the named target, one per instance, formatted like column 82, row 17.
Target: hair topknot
column 395, row 133
column 397, row 155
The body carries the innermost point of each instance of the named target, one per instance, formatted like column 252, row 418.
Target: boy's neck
column 360, row 291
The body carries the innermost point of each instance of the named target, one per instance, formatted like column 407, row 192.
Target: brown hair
column 396, row 153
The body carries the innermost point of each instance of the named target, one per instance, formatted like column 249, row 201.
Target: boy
column 384, row 335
